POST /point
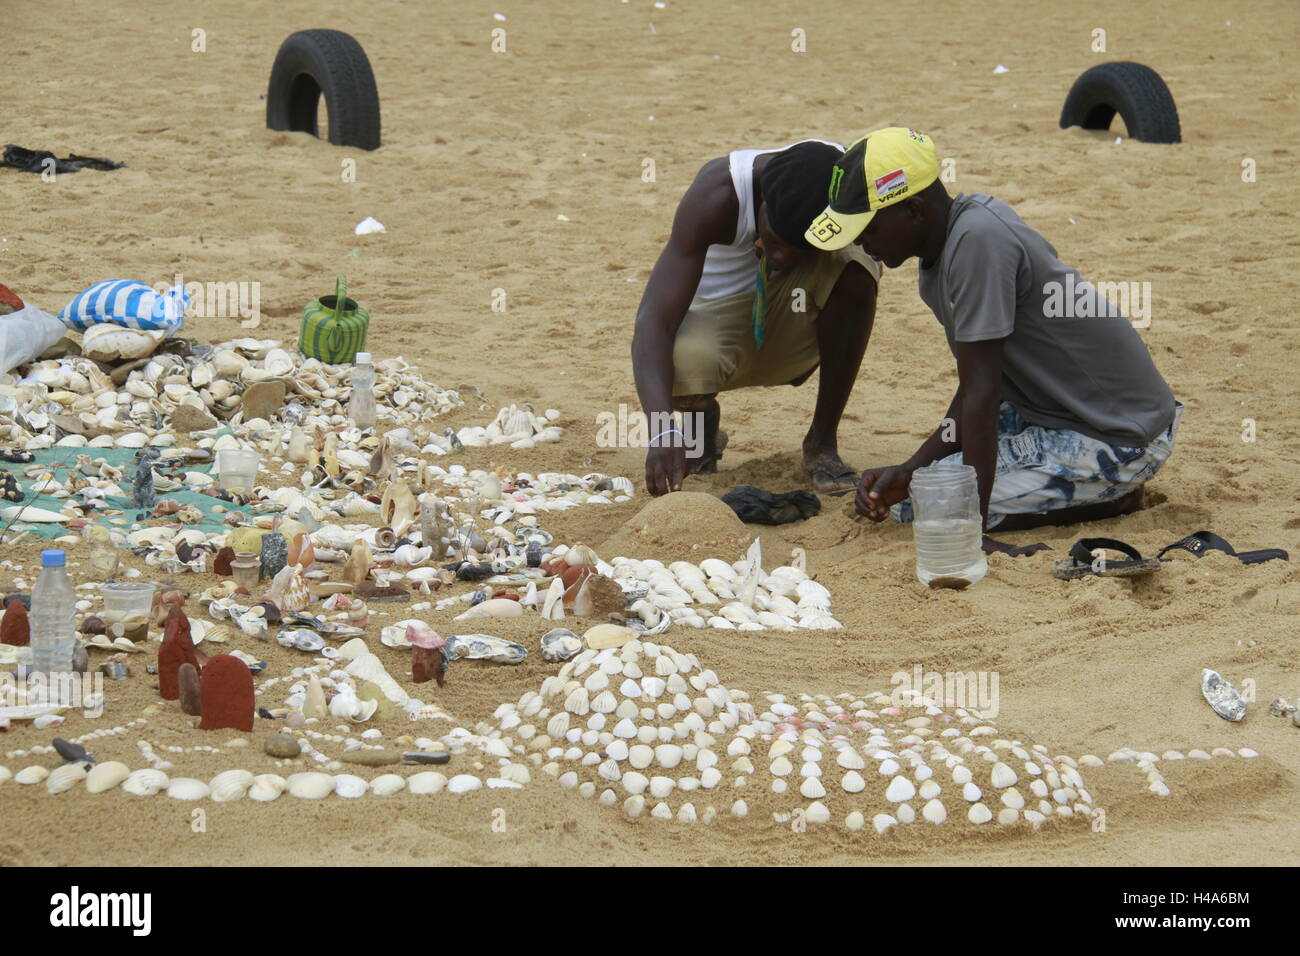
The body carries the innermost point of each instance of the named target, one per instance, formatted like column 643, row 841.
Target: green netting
column 59, row 460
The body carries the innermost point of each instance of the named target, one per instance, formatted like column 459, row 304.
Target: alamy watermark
column 969, row 690
column 633, row 428
column 1103, row 300
column 219, row 300
column 84, row 692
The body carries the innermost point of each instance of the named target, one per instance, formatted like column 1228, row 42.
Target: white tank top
column 732, row 269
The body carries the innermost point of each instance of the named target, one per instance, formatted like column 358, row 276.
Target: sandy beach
column 522, row 171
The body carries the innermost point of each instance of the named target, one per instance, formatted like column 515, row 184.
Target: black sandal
column 1083, row 561
column 1202, row 542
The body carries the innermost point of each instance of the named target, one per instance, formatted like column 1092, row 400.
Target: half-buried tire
column 329, row 62
column 1132, row 90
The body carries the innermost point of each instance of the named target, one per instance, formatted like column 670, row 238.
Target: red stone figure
column 14, row 627
column 227, row 695
column 177, row 649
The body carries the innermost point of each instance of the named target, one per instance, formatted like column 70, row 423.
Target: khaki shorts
column 715, row 349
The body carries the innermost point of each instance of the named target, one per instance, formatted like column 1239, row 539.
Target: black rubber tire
column 1134, row 91
column 330, row 62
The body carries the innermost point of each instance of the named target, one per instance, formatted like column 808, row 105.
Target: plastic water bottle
column 361, row 407
column 947, row 525
column 54, row 636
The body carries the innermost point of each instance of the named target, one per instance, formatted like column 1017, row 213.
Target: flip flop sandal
column 1082, row 562
column 1203, row 542
column 708, row 464
column 835, row 475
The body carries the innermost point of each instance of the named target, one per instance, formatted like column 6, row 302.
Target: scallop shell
column 106, row 776
column 425, row 782
column 387, row 785
column 349, row 785
column 187, row 788
column 230, row 785
column 145, row 783
column 266, row 787
column 311, row 786
column 30, row 775
column 62, row 779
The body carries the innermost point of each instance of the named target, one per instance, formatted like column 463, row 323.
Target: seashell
column 278, row 362
column 580, row 555
column 493, row 607
column 485, row 647
column 348, row 706
column 399, row 508
column 64, row 778
column 387, row 784
column 289, row 589
column 106, row 776
column 408, row 555
column 106, row 342
column 464, row 783
column 31, row 775
column 350, row 786
column 560, row 645
column 145, row 783
column 426, row 782
column 310, row 786
column 266, row 787
column 32, row 515
column 187, row 788
column 1225, row 699
column 230, row 785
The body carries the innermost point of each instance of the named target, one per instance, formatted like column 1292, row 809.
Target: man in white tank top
column 739, row 299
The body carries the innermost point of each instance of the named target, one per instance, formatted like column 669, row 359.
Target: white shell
column 464, row 783
column 387, row 784
column 427, row 781
column 187, row 788
column 266, row 787
column 230, row 785
column 311, row 786
column 66, row 777
column 106, row 776
column 350, row 785
column 145, row 783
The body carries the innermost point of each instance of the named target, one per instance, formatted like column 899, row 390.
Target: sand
column 483, row 152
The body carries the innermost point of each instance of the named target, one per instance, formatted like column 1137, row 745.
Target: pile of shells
column 74, row 401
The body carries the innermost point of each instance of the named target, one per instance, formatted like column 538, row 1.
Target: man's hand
column 1015, row 551
column 665, row 469
column 880, row 488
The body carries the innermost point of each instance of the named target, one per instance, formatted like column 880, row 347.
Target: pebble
column 371, row 758
column 282, row 747
column 417, row 757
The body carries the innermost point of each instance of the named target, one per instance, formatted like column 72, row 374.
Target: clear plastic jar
column 947, row 525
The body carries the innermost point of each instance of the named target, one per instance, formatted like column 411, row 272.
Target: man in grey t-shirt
column 1059, row 407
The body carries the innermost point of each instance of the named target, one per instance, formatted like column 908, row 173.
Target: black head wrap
column 794, row 184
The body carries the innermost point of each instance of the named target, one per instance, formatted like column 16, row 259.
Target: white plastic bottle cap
column 363, row 358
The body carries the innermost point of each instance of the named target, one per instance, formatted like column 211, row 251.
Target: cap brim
column 834, row 230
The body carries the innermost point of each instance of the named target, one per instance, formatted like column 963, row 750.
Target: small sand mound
column 667, row 526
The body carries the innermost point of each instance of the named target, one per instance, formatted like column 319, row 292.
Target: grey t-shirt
column 1086, row 370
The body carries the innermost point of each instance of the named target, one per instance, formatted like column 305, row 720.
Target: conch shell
column 399, row 508
column 289, row 589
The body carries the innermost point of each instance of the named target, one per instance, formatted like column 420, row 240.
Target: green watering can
column 334, row 327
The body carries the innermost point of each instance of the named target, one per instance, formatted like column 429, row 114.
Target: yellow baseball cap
column 884, row 167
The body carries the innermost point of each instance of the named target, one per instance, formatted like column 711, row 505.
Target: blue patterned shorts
column 1042, row 469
